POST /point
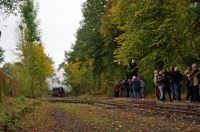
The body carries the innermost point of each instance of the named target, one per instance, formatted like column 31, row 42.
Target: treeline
column 27, row 76
column 122, row 38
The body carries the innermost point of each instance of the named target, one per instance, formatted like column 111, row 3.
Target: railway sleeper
column 181, row 109
column 188, row 113
column 105, row 106
column 141, row 106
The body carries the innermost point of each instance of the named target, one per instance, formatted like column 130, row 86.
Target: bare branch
column 8, row 7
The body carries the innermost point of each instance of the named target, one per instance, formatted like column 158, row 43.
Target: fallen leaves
column 83, row 117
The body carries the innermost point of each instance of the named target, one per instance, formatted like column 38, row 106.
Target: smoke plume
column 57, row 81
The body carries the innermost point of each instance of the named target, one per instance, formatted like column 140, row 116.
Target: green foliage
column 1, row 55
column 150, row 32
column 22, row 98
column 34, row 66
column 2, row 106
column 90, row 66
column 28, row 12
column 155, row 34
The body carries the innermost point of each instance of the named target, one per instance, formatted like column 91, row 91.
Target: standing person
column 125, row 84
column 172, row 82
column 177, row 79
column 160, row 85
column 157, row 93
column 121, row 89
column 180, row 84
column 130, row 88
column 136, row 86
column 166, row 86
column 116, row 89
column 189, row 96
column 194, row 82
column 142, row 87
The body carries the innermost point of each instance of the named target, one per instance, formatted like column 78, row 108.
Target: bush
column 22, row 98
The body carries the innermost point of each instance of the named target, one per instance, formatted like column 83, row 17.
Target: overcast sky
column 59, row 23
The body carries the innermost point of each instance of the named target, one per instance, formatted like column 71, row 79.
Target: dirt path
column 53, row 120
column 67, row 122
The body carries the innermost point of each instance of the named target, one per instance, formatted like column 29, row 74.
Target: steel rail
column 134, row 104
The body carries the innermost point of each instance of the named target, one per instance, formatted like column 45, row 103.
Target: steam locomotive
column 58, row 92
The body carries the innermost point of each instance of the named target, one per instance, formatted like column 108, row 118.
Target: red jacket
column 117, row 86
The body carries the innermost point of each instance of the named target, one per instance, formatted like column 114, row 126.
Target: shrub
column 22, row 98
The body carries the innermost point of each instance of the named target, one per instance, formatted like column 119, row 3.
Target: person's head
column 134, row 77
column 194, row 66
column 171, row 68
column 163, row 70
column 139, row 78
column 187, row 72
column 176, row 69
column 164, row 74
column 160, row 72
column 155, row 72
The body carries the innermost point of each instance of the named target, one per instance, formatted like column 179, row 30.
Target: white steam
column 57, row 81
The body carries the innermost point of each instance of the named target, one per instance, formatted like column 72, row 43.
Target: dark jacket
column 165, row 81
column 136, row 85
column 125, row 85
column 177, row 77
column 171, row 77
column 187, row 81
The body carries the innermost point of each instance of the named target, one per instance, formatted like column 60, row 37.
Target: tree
column 8, row 7
column 93, row 51
column 155, row 34
column 191, row 34
column 12, row 86
column 151, row 32
column 34, row 65
column 109, row 32
column 1, row 55
column 2, row 75
column 88, row 49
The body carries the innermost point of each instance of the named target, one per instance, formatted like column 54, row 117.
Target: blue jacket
column 136, row 85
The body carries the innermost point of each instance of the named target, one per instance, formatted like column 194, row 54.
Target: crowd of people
column 134, row 88
column 165, row 81
column 171, row 81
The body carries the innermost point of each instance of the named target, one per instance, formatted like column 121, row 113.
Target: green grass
column 2, row 106
column 22, row 98
column 12, row 109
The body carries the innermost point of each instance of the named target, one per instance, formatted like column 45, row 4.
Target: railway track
column 146, row 105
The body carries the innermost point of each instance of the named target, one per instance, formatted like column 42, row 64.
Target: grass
column 89, row 113
column 11, row 110
column 42, row 117
column 2, row 106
